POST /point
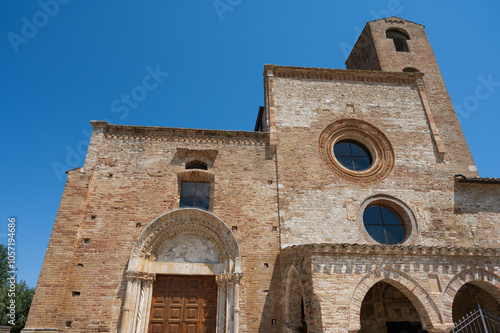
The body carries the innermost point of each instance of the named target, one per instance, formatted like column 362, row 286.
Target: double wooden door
column 183, row 304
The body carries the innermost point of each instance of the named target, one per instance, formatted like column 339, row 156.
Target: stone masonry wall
column 312, row 198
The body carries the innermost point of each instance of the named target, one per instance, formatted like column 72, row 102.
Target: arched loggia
column 427, row 310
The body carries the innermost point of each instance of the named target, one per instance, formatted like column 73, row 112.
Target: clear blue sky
column 75, row 64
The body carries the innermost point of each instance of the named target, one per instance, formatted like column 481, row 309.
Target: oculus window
column 195, row 195
column 384, row 224
column 356, row 151
column 353, row 155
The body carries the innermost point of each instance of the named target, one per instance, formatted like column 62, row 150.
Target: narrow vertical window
column 195, row 195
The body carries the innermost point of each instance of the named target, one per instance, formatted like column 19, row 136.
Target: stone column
column 144, row 308
column 222, row 302
column 236, row 305
column 128, row 309
column 135, row 311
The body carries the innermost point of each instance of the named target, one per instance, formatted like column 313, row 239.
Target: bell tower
column 396, row 45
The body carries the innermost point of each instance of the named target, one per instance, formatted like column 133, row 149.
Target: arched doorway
column 385, row 309
column 469, row 296
column 183, row 273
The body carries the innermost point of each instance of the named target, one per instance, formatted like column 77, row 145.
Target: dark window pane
column 187, row 189
column 196, row 165
column 361, row 163
column 202, row 203
column 376, row 232
column 358, row 150
column 389, row 217
column 396, row 34
column 202, row 190
column 383, row 225
column 186, row 202
column 372, row 215
column 395, row 234
column 345, row 161
column 400, row 45
column 342, row 148
column 353, row 155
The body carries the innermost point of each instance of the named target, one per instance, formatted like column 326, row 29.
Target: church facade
column 354, row 206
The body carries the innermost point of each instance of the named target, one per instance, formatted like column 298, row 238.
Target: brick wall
column 130, row 179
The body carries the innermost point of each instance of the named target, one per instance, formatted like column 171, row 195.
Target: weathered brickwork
column 420, row 57
column 130, row 179
column 323, row 207
column 313, row 198
column 284, row 236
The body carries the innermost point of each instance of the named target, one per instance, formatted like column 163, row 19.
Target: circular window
column 383, row 224
column 353, row 155
column 357, row 151
column 387, row 220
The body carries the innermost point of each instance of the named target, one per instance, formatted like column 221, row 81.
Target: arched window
column 196, row 165
column 399, row 37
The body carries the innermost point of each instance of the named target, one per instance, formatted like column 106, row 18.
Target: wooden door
column 183, row 304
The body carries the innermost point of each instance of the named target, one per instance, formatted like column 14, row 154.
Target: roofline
column 116, row 127
column 175, row 133
column 353, row 75
column 476, row 180
column 396, row 17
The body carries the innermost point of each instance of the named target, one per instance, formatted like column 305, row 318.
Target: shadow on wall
column 121, row 295
column 271, row 314
column 473, row 198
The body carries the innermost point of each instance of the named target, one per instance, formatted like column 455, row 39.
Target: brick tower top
column 393, row 44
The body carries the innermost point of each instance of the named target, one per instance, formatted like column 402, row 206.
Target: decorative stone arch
column 421, row 300
column 294, row 301
column 481, row 278
column 147, row 260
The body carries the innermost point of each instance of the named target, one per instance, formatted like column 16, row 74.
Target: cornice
column 476, row 180
column 396, row 249
column 349, row 75
column 182, row 134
